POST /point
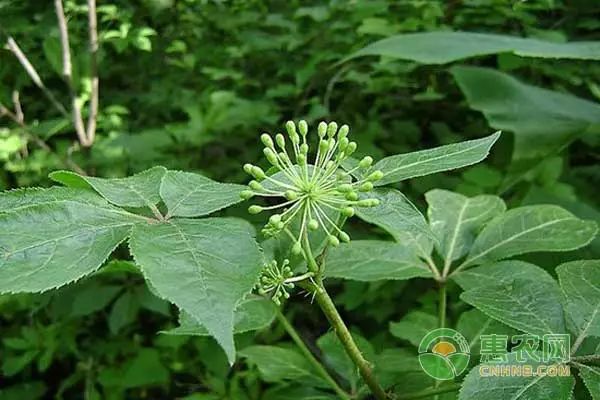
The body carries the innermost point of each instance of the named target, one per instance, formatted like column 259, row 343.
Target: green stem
column 429, row 392
column 442, row 305
column 591, row 357
column 310, row 356
column 342, row 332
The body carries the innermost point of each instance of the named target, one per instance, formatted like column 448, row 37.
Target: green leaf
column 398, row 216
column 591, row 378
column 123, row 312
column 445, row 47
column 294, row 391
column 400, row 167
column 193, row 195
column 335, row 355
column 501, row 273
column 543, row 386
column 49, row 245
column 528, row 229
column 580, row 283
column 140, row 190
column 527, row 305
column 206, row 267
column 14, row 199
column 145, row 369
column 535, row 115
column 456, row 219
column 473, row 323
column 414, row 326
column 373, row 260
column 278, row 364
column 253, row 313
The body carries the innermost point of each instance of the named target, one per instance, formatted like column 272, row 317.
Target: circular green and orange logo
column 444, row 354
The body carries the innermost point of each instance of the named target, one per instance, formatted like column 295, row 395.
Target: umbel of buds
column 315, row 189
column 273, row 281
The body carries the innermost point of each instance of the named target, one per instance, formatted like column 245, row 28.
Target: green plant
column 208, row 266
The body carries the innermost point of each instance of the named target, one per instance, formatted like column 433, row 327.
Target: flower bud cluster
column 273, row 281
column 316, row 191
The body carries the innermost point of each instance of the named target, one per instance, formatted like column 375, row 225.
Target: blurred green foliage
column 190, row 84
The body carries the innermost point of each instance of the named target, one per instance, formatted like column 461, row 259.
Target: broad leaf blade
column 591, row 379
column 580, row 282
column 445, row 47
column 206, row 267
column 477, row 387
column 13, row 199
column 414, row 326
column 398, row 216
column 473, row 323
column 373, row 260
column 527, row 305
column 252, row 314
column 501, row 273
column 49, row 245
column 528, row 229
column 535, row 115
column 140, row 190
column 400, row 167
column 456, row 219
column 193, row 195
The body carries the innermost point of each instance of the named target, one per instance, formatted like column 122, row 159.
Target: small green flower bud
column 255, row 209
column 332, row 129
column 344, row 237
column 284, row 157
column 343, row 144
column 291, row 195
column 351, row 148
column 343, row 132
column 375, row 176
column 297, row 248
column 258, row 172
column 348, row 211
column 303, row 127
column 280, row 140
column 290, row 127
column 352, row 196
column 304, row 148
column 301, row 159
column 366, row 187
column 266, row 139
column 246, row 194
column 271, row 156
column 322, row 129
column 333, row 241
column 275, row 219
column 254, row 185
column 330, row 165
column 248, row 168
column 365, row 162
column 344, row 188
column 323, row 146
column 313, row 225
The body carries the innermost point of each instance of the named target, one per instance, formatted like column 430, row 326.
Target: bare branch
column 93, row 36
column 35, row 77
column 68, row 73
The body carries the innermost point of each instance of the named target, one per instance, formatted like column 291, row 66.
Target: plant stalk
column 442, row 305
column 291, row 331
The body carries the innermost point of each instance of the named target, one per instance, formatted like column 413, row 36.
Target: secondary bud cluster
column 315, row 191
column 272, row 281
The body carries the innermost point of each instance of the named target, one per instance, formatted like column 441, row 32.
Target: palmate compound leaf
column 49, row 245
column 400, row 167
column 456, row 219
column 206, row 267
column 544, row 386
column 528, row 229
column 373, row 260
column 192, row 195
column 400, row 218
column 444, row 47
column 140, row 190
column 253, row 313
column 580, row 283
